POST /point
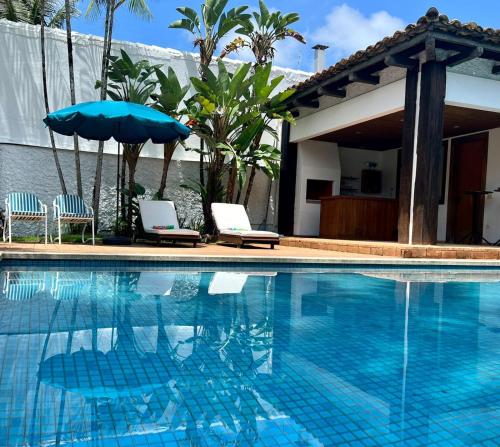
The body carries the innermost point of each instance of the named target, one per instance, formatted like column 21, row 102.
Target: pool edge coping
column 174, row 258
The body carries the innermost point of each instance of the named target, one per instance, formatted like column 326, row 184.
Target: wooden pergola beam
column 464, row 56
column 366, row 78
column 327, row 90
column 307, row 103
column 398, row 60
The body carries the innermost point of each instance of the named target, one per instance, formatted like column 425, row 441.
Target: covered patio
column 399, row 143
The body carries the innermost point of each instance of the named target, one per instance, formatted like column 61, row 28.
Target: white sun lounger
column 234, row 226
column 162, row 213
column 232, row 282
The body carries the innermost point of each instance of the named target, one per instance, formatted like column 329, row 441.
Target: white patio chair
column 23, row 206
column 69, row 208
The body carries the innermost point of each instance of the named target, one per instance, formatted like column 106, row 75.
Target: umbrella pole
column 117, row 187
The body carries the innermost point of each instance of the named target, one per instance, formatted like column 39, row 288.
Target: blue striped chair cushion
column 70, row 206
column 24, row 204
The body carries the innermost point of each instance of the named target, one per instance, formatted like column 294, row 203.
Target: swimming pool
column 260, row 358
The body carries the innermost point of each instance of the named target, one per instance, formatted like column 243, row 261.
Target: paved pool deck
column 217, row 253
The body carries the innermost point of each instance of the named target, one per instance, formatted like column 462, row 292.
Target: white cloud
column 347, row 30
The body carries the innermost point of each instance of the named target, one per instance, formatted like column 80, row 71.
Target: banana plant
column 128, row 80
column 271, row 107
column 168, row 101
column 228, row 111
column 217, row 115
column 261, row 32
column 209, row 27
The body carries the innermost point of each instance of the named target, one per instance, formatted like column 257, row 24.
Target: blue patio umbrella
column 126, row 122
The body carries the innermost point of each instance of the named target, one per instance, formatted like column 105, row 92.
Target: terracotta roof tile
column 438, row 22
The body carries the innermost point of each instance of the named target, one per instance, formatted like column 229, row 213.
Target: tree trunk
column 108, row 35
column 231, row 181
column 269, row 191
column 168, row 151
column 46, row 98
column 123, row 175
column 249, row 187
column 211, row 188
column 69, row 42
column 132, row 163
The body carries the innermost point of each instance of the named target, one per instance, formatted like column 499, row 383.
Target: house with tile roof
column 400, row 141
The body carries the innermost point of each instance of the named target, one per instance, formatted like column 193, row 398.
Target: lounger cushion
column 229, row 215
column 179, row 232
column 158, row 213
column 251, row 234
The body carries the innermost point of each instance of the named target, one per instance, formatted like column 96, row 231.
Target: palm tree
column 32, row 12
column 208, row 29
column 139, row 8
column 260, row 35
column 49, row 13
column 68, row 7
column 168, row 101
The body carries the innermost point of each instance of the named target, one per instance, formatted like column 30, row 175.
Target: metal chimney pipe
column 319, row 57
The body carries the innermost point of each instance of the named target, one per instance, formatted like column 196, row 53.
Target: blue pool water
column 263, row 358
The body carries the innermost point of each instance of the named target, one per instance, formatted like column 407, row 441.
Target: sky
column 345, row 26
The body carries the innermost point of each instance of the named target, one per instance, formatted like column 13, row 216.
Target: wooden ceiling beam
column 307, row 103
column 366, row 78
column 397, row 60
column 328, row 90
column 464, row 56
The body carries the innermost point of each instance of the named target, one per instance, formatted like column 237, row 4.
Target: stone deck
column 312, row 251
column 393, row 249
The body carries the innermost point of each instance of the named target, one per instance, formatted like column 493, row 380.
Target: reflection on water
column 261, row 358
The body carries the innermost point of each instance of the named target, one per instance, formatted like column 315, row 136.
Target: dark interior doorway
column 468, row 160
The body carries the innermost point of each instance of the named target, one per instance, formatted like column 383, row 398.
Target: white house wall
column 491, row 224
column 474, row 92
column 354, row 160
column 316, row 160
column 382, row 101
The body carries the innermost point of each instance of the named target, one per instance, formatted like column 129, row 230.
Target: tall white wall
column 316, row 160
column 25, row 162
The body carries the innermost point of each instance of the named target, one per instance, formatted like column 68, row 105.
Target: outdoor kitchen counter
column 361, row 218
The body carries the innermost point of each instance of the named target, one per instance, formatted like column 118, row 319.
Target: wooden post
column 429, row 161
column 419, row 191
column 288, row 174
column 405, row 176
